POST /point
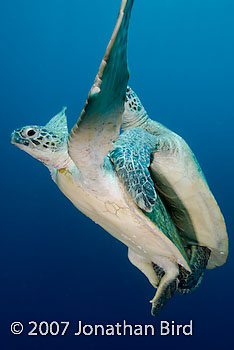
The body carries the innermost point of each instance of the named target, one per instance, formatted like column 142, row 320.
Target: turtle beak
column 13, row 137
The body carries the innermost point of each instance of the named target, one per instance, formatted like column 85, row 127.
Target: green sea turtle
column 80, row 166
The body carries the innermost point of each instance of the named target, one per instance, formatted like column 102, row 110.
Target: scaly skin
column 186, row 282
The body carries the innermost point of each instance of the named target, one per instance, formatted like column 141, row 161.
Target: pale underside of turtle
column 86, row 170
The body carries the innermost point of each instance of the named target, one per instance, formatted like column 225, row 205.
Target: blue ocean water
column 55, row 263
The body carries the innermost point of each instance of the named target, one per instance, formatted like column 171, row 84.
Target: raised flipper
column 99, row 123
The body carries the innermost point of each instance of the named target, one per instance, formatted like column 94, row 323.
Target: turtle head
column 46, row 143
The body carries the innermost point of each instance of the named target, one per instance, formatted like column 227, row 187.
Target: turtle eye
column 30, row 132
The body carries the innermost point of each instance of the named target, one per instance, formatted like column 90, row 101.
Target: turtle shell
column 181, row 183
column 186, row 194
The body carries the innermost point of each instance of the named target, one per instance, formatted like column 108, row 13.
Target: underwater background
column 55, row 263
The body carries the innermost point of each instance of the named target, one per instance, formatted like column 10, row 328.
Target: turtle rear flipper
column 186, row 282
column 166, row 288
column 198, row 257
column 163, row 299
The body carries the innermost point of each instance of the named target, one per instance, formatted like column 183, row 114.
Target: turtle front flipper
column 131, row 158
column 99, row 123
